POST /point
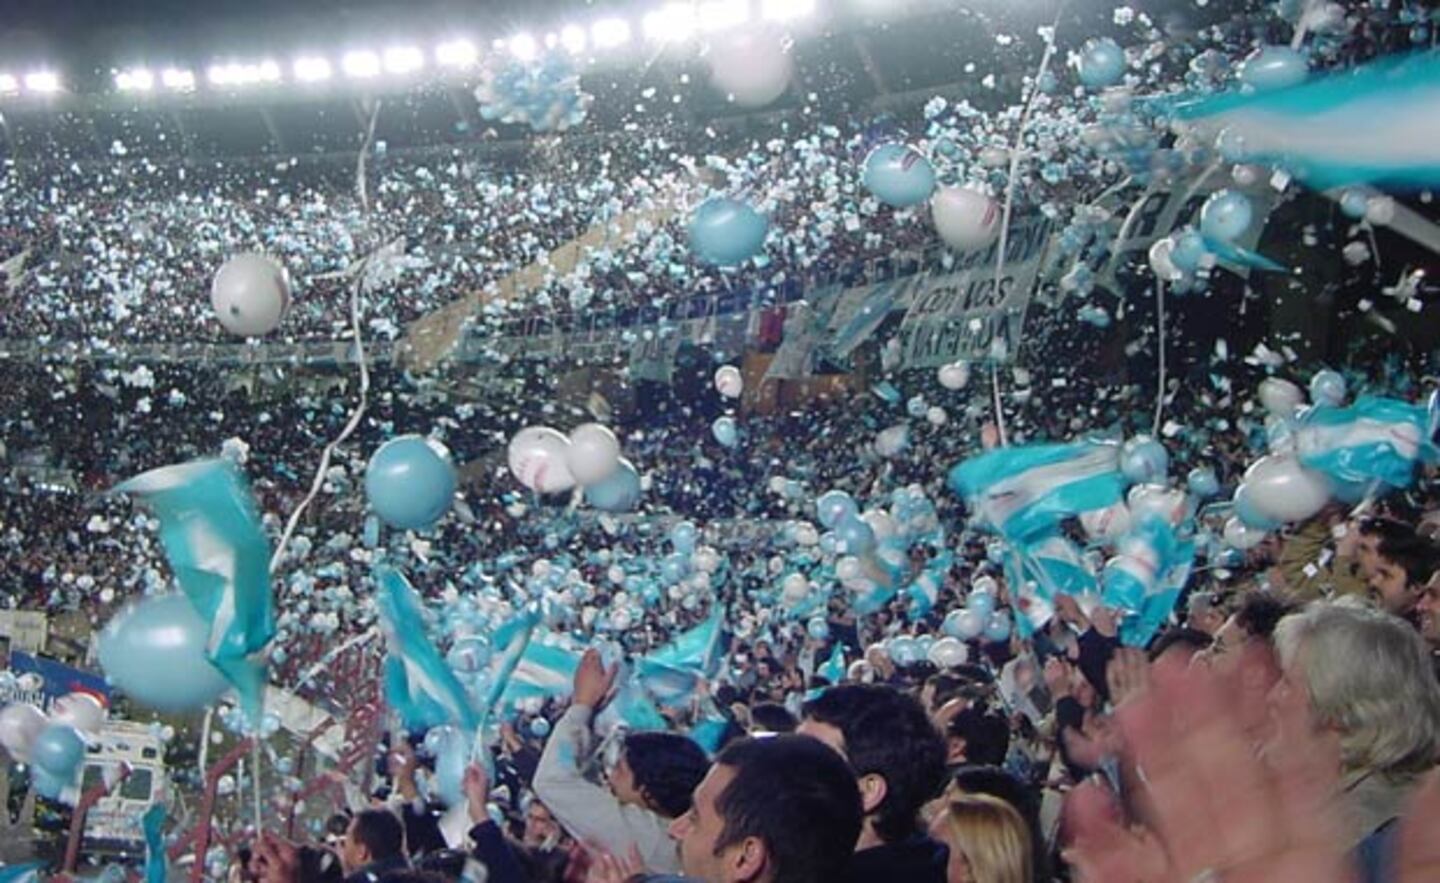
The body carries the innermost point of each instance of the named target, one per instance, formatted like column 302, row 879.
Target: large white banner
column 961, row 315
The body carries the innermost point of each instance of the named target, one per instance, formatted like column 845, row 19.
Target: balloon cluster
column 544, row 95
column 546, row 461
column 53, row 745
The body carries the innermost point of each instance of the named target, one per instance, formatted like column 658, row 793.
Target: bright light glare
column 524, row 47
column 572, row 37
column 42, row 81
column 178, row 79
column 717, row 15
column 456, row 53
column 608, row 33
column 360, row 64
column 312, row 69
column 267, row 72
column 243, row 74
column 786, row 10
column 404, row 59
column 672, row 23
column 135, row 80
column 9, row 85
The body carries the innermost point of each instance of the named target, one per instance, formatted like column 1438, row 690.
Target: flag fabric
column 1028, row 490
column 700, row 648
column 833, row 670
column 153, row 824
column 1137, row 629
column 1375, row 440
column 510, row 641
column 419, row 685
column 211, row 532
column 631, row 709
column 543, row 670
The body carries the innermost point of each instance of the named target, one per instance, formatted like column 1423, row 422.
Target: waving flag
column 511, row 640
column 221, row 559
column 1374, row 440
column 1028, row 490
column 26, row 873
column 153, row 824
column 632, row 709
column 419, row 685
column 700, row 648
column 834, row 668
column 544, row 670
column 1146, row 577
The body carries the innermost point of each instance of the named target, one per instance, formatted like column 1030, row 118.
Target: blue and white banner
column 1025, row 491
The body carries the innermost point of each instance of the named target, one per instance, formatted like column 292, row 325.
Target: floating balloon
column 898, row 175
column 1280, row 397
column 82, row 711
column 1283, row 490
column 728, row 381
column 965, row 218
column 997, row 627
column 1202, row 482
column 818, row 628
column 1162, row 262
column 893, row 441
column 1188, row 251
column 726, row 232
column 1226, row 215
column 544, row 94
column 750, row 66
column 954, row 375
column 1238, row 535
column 410, row 482
column 1144, row 460
column 1273, row 67
column 250, row 294
column 965, row 624
column 1109, row 523
column 856, row 534
column 20, row 724
column 834, row 507
column 684, row 536
column 1102, row 63
column 936, row 416
column 948, row 652
column 593, row 454
column 982, row 602
column 725, row 431
column 539, row 458
column 154, row 651
column 1327, row 388
column 903, row 651
column 621, row 492
column 58, row 750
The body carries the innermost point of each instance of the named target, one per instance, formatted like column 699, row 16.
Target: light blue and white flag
column 419, row 685
column 509, row 640
column 1375, row 440
column 217, row 549
column 632, row 709
column 544, row 670
column 1041, row 570
column 152, row 823
column 700, row 648
column 833, row 670
column 1028, row 490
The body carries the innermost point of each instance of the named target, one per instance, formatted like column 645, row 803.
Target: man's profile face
column 699, row 829
column 1390, row 586
column 1429, row 608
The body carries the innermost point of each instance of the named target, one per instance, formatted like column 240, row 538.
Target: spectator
column 374, row 846
column 989, row 841
column 1403, row 565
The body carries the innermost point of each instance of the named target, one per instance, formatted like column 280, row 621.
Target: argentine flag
column 1375, row 440
column 213, row 540
column 419, row 685
column 672, row 674
column 543, row 670
column 833, row 670
column 1025, row 491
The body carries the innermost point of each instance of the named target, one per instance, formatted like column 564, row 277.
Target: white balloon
column 593, row 454
column 969, row 623
column 20, row 724
column 705, row 560
column 1281, row 397
column 954, row 375
column 994, row 157
column 728, row 381
column 948, row 652
column 250, row 295
column 1161, row 263
column 616, row 574
column 794, row 589
column 539, row 459
column 1282, row 490
column 1238, row 536
column 882, row 523
column 848, row 569
column 893, row 441
column 79, row 710
column 1170, row 504
column 965, row 218
column 936, row 416
column 750, row 66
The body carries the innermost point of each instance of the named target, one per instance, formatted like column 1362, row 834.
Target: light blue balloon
column 48, row 785
column 58, row 750
column 898, row 175
column 997, row 627
column 620, row 492
column 1144, row 460
column 1327, row 388
column 1189, row 250
column 725, row 431
column 1202, row 482
column 1226, row 215
column 858, row 537
column 469, row 655
column 410, row 482
column 683, row 536
column 674, row 568
column 903, row 651
column 1354, row 204
column 952, row 624
column 1102, row 63
column 1274, row 67
column 834, row 507
column 916, row 406
column 154, row 652
column 539, row 727
column 726, row 232
column 818, row 628
column 983, row 603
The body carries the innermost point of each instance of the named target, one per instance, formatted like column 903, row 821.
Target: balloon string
column 362, row 638
column 1160, row 325
column 1016, row 151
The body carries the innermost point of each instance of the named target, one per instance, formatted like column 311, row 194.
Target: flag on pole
column 419, row 685
column 213, row 540
column 1028, row 490
column 543, row 670
column 510, row 639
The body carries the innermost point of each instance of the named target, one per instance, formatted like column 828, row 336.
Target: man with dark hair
column 771, row 717
column 773, row 809
column 1181, row 642
column 898, row 759
column 374, row 845
column 977, row 736
column 1403, row 565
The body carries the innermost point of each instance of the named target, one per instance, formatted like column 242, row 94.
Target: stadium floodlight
column 786, row 10
column 267, row 71
column 456, row 54
column 403, row 59
column 178, row 79
column 719, row 15
column 311, row 69
column 610, row 33
column 44, row 82
column 572, row 37
column 671, row 23
column 524, row 47
column 9, row 84
column 360, row 64
column 134, row 80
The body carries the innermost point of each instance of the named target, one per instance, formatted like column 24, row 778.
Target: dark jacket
column 917, row 859
column 376, row 871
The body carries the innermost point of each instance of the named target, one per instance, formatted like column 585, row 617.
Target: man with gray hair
column 1367, row 679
